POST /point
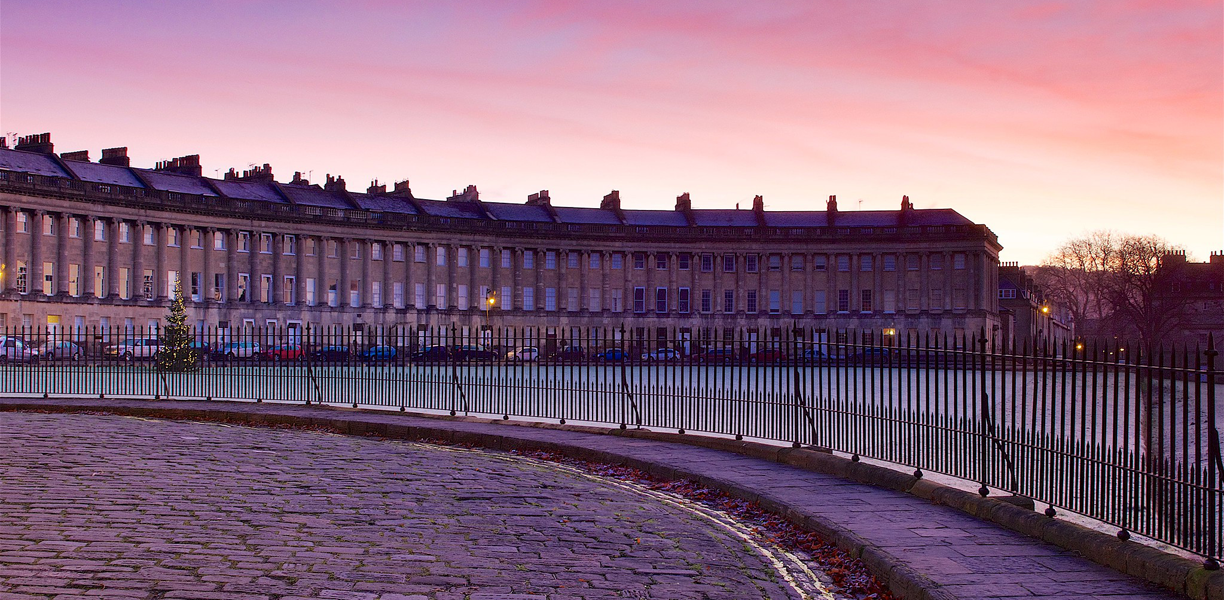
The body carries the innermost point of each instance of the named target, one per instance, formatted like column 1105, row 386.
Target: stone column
column 207, row 235
column 605, row 273
column 346, row 282
column 184, row 238
column 877, row 295
column 62, row 272
column 231, row 265
column 367, row 284
column 299, row 272
column 452, row 277
column 809, row 287
column 924, row 281
column 947, row 280
column 673, row 283
column 516, row 265
column 388, row 285
column 278, row 280
column 111, row 277
column 34, row 285
column 322, row 284
column 87, row 257
column 584, row 296
column 431, row 261
column 254, row 281
column 10, row 255
column 159, row 263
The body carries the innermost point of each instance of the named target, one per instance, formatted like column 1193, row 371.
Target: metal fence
column 1101, row 430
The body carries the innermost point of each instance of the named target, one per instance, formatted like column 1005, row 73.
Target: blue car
column 379, row 354
column 612, row 354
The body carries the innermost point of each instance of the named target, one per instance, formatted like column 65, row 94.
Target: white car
column 135, row 349
column 662, row 354
column 526, row 354
column 16, row 350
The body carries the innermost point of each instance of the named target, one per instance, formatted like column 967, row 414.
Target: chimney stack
column 79, row 155
column 263, row 173
column 3, row 142
column 684, row 203
column 540, row 199
column 40, row 142
column 334, row 184
column 611, row 201
column 401, row 188
column 297, row 179
column 906, row 205
column 115, row 156
column 183, row 165
column 469, row 195
column 376, row 188
column 758, row 204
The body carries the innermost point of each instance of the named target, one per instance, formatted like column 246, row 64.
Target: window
column 74, row 227
column 550, row 299
column 74, row 280
column 397, row 295
column 484, row 258
column 818, row 303
column 355, row 250
column 418, row 253
column 616, row 297
column 462, row 298
column 728, row 301
column 311, row 298
column 661, row 262
column 750, row 263
column 571, row 300
column 23, row 222
column 911, row 299
column 440, row 295
column 397, row 253
column 958, row 261
column 99, row 276
column 684, row 261
column 820, row 262
column 197, row 238
column 529, row 259
column 890, row 301
column 528, row 298
column 593, row 300
column 593, row 261
column 418, row 296
column 22, row 277
column 244, row 241
column 1007, row 293
column 751, row 303
column 219, row 287
column 461, row 256
column 244, row 279
column 661, row 300
column 707, row 300
column 571, row 260
column 796, row 262
column 265, row 243
column 796, row 302
column 196, row 282
column 147, row 282
column 936, row 298
column 507, row 298
column 775, row 300
column 376, row 251
column 267, row 293
column 890, row 262
column 48, row 223
column 290, row 290
column 866, row 262
column 911, row 262
column 866, row 301
column 843, row 263
column 440, row 256
column 99, row 231
column 728, row 263
column 639, row 260
column 775, row 262
column 290, row 245
column 172, row 237
column 506, row 259
column 218, row 240
column 125, row 233
column 618, row 261
column 148, row 235
column 936, row 262
column 707, row 263
column 959, row 298
column 843, row 301
column 333, row 294
column 550, row 260
column 639, row 299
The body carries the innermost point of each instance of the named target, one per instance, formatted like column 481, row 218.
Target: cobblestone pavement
column 116, row 507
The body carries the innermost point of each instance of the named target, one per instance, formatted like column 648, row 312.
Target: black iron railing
column 1127, row 438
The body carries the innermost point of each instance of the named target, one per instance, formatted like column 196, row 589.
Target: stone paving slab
column 921, row 549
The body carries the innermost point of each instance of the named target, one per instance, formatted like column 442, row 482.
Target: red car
column 768, row 355
column 282, row 352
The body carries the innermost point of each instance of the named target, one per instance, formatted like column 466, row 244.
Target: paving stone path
column 98, row 506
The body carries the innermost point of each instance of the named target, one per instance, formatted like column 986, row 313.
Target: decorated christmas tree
column 176, row 354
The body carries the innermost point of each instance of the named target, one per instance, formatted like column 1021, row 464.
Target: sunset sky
column 1042, row 120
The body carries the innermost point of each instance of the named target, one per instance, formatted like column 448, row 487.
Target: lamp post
column 490, row 299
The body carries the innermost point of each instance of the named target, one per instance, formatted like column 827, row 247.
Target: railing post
column 1213, row 460
column 984, row 416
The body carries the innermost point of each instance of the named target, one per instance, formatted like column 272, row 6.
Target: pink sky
column 1041, row 120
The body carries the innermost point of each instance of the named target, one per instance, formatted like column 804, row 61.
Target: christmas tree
column 176, row 354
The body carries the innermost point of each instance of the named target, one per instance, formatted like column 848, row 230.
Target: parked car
column 431, row 354
column 814, row 355
column 871, row 356
column 379, row 354
column 470, row 353
column 201, row 350
column 612, row 355
column 16, row 350
column 717, row 356
column 571, row 354
column 134, row 349
column 662, row 355
column 767, row 356
column 330, row 354
column 236, row 350
column 282, row 352
column 524, row 354
column 60, row 351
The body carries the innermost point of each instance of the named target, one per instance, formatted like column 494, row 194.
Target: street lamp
column 490, row 300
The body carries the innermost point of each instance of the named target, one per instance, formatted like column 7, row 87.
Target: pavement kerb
column 1172, row 572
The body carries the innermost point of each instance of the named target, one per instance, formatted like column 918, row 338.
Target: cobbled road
column 115, row 507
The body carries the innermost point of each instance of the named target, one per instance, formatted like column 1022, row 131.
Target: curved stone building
column 102, row 243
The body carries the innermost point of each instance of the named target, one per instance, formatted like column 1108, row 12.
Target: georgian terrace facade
column 102, row 244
